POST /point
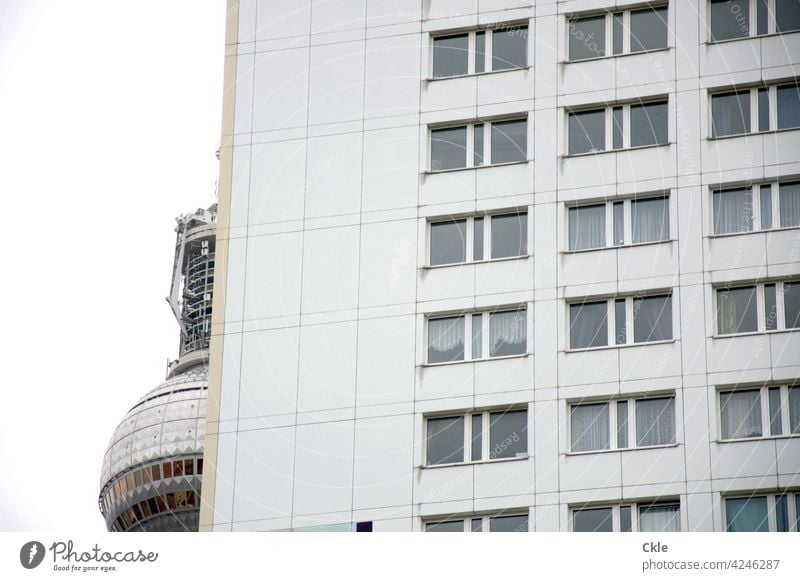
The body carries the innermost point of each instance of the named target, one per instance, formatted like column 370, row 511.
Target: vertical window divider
column 608, row 21
column 612, row 425
column 761, row 316
column 755, row 213
column 631, row 423
column 752, row 9
column 471, row 46
column 611, row 333
column 773, row 105
column 779, row 307
column 487, row 233
column 488, row 50
column 485, row 436
column 469, row 243
column 787, row 427
column 608, row 118
column 754, row 100
column 628, row 323
column 485, row 341
column 609, row 215
column 775, row 189
column 626, row 35
column 627, row 221
column 626, row 125
column 771, row 516
column 487, row 151
column 467, row 439
column 470, row 153
column 766, row 419
column 468, row 336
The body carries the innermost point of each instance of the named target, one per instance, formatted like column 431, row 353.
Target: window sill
column 751, row 134
column 606, row 151
column 746, row 232
column 626, row 345
column 477, row 462
column 610, row 450
column 754, row 333
column 470, row 75
column 618, row 247
column 748, row 37
column 487, row 261
column 482, row 359
column 485, row 166
column 757, row 439
column 614, row 56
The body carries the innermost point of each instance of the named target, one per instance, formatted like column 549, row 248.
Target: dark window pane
column 587, row 37
column 590, row 520
column 622, row 424
column 655, row 421
column 509, row 235
column 448, row 148
column 729, row 19
column 156, row 470
column 617, row 128
column 617, row 34
column 794, row 414
column 477, row 145
column 791, row 304
column 588, row 325
column 787, row 15
column 730, row 114
column 789, row 200
column 448, row 242
column 477, row 439
column 510, row 48
column 619, row 223
column 736, row 310
column 775, row 423
column 589, row 427
column 650, row 219
column 477, row 525
column 782, row 513
column 740, row 414
column 508, row 434
column 747, row 515
column 453, row 526
column 625, row 519
column 445, row 339
column 587, row 227
column 508, row 333
column 733, row 211
column 587, row 131
column 477, row 336
column 648, row 124
column 509, row 524
column 770, row 308
column 765, row 200
column 652, row 319
column 477, row 248
column 648, row 29
column 509, row 141
column 445, row 440
column 762, row 16
column 480, row 52
column 620, row 333
column 763, row 110
column 788, row 106
column 450, row 55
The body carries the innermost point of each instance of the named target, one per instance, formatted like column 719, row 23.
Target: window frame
column 752, row 32
column 472, row 52
column 485, row 333
column 770, row 495
column 766, row 424
column 609, row 122
column 616, row 507
column 609, row 15
column 469, row 518
column 466, row 416
column 487, row 142
column 755, row 126
column 755, row 189
column 761, row 316
column 613, row 422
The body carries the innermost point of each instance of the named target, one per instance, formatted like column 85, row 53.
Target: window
column 756, row 308
column 501, row 523
column 759, row 207
column 479, row 238
column 640, row 319
column 499, row 333
column 755, row 109
column 644, row 517
column 760, row 513
column 621, row 424
column 470, row 145
column 616, row 33
column 633, row 221
column 759, row 412
column 620, row 126
column 734, row 18
column 476, row 437
column 479, row 51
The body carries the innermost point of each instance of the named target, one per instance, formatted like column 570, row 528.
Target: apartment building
column 505, row 265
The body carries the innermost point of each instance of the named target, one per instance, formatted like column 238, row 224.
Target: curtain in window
column 587, row 227
column 655, row 421
column 794, row 412
column 747, row 515
column 652, row 319
column 588, row 325
column 790, row 205
column 741, row 414
column 508, row 333
column 589, row 427
column 736, row 310
column 733, row 211
column 659, row 519
column 650, row 220
column 445, row 339
column 791, row 305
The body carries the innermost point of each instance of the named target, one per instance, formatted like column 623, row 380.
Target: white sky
column 109, row 120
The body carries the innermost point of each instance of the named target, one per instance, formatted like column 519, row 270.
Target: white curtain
column 733, row 211
column 650, row 220
column 741, row 414
column 655, row 421
column 659, row 519
column 589, row 427
column 587, row 227
column 790, row 205
column 652, row 319
column 508, row 333
column 794, row 413
column 445, row 339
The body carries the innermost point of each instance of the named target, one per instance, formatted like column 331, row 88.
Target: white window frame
column 761, row 314
column 485, row 427
column 609, row 124
column 752, row 11
column 484, row 517
column 771, row 507
column 616, row 521
column 627, row 222
column 766, row 433
column 772, row 94
column 471, row 48
column 470, row 238
column 613, row 444
column 487, row 142
column 755, row 192
column 485, row 333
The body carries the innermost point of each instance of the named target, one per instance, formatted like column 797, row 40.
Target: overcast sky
column 109, row 120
